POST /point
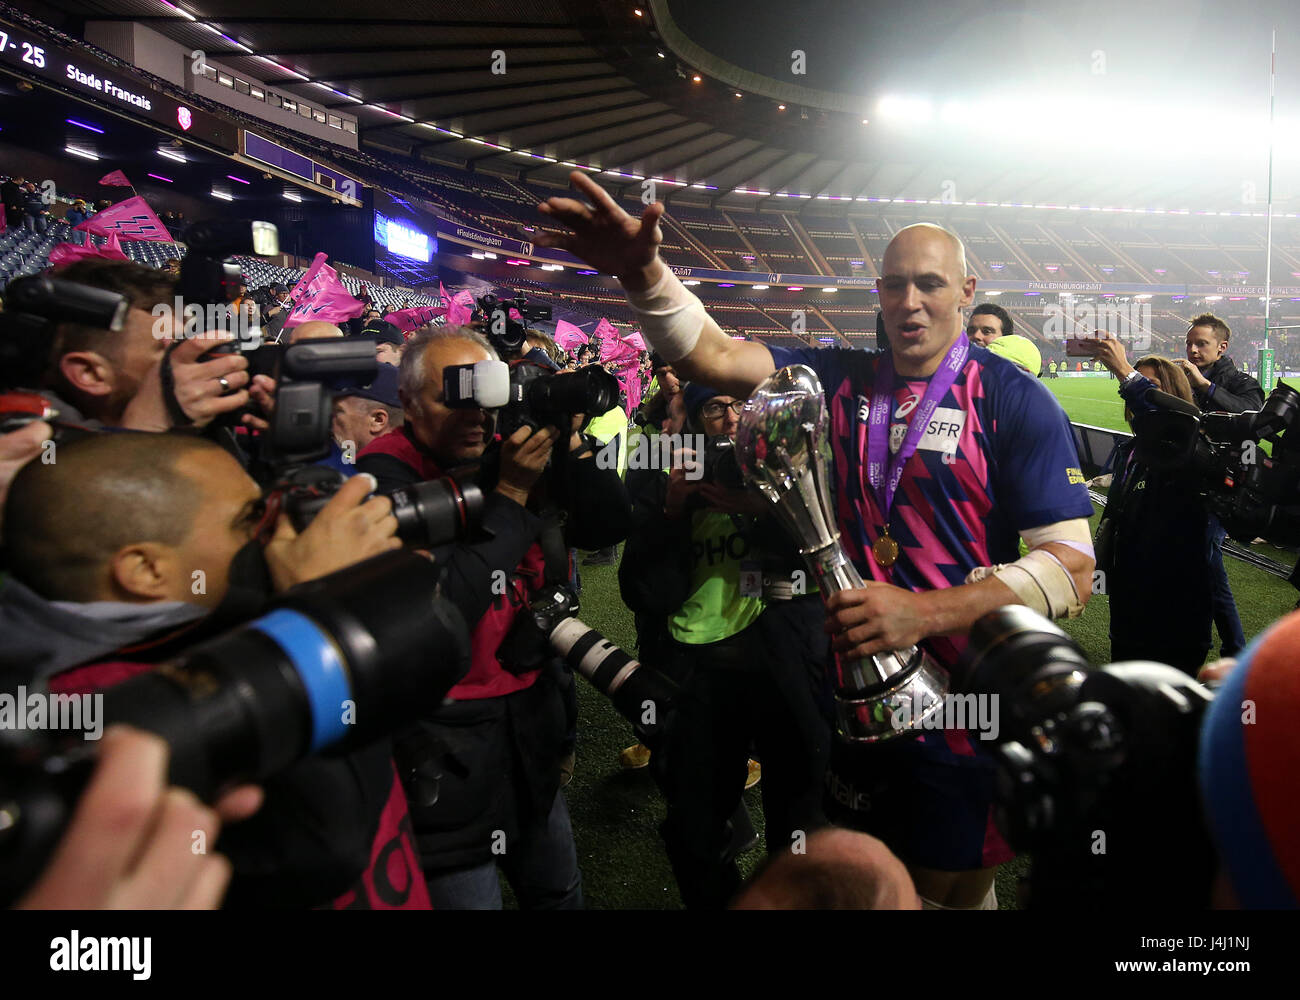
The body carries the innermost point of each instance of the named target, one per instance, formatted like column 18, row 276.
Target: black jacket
column 15, row 198
column 1231, row 390
column 1160, row 573
column 313, row 838
column 490, row 764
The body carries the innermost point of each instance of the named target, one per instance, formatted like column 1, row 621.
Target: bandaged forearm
column 1039, row 579
column 671, row 316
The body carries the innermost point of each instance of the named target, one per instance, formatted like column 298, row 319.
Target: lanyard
column 885, row 482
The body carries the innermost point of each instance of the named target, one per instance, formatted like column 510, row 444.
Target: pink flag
column 115, row 179
column 636, row 340
column 407, row 320
column 69, row 253
column 443, row 297
column 568, row 336
column 133, row 219
column 607, row 337
column 321, row 296
column 460, row 307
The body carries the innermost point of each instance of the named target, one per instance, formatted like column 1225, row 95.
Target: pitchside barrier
column 1096, row 447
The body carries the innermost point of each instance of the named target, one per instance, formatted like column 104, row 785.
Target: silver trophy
column 783, row 450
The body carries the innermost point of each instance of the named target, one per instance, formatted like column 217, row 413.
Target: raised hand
column 605, row 236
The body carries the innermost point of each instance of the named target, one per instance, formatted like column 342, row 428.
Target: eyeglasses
column 715, row 410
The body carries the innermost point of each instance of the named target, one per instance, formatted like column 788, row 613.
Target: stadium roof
column 1053, row 102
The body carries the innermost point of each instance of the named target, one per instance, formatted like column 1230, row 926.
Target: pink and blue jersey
column 997, row 457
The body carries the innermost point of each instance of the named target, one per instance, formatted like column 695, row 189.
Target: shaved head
column 63, row 522
column 923, row 288
column 930, row 230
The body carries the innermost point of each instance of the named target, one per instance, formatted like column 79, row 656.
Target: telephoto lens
column 436, row 512
column 429, row 514
column 641, row 695
column 336, row 664
column 590, row 390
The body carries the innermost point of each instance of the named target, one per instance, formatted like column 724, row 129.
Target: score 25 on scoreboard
column 80, row 72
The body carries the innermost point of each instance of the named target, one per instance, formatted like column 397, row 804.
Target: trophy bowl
column 784, row 452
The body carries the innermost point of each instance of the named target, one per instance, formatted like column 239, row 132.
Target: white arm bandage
column 1039, row 578
column 671, row 316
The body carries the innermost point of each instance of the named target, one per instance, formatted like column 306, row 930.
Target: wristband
column 671, row 316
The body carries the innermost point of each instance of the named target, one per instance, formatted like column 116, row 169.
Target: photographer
column 131, row 549
column 747, row 649
column 103, row 378
column 1219, row 387
column 498, row 746
column 1151, row 541
column 937, row 537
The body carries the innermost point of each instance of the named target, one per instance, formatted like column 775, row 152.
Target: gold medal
column 885, row 550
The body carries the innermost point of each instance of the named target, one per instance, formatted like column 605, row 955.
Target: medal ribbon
column 884, row 483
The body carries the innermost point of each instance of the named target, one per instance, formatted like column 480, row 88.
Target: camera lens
column 592, row 391
column 1031, row 665
column 436, row 512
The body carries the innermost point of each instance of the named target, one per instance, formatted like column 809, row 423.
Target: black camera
column 641, row 695
column 507, row 334
column 336, row 664
column 1096, row 766
column 526, row 393
column 208, row 274
column 308, row 377
column 1254, row 494
column 720, row 464
column 34, row 308
column 428, row 514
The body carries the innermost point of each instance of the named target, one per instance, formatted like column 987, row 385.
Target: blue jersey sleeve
column 1039, row 479
column 830, row 363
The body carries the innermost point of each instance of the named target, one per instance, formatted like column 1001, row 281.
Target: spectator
column 1153, row 538
column 14, row 194
column 75, row 216
column 36, row 216
column 78, row 213
column 488, row 786
column 987, row 323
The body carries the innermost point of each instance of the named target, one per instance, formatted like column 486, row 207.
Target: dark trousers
column 1231, row 638
column 1187, row 657
column 755, row 690
column 542, row 869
